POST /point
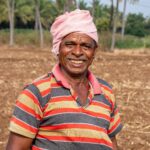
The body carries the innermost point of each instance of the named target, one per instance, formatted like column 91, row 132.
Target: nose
column 77, row 51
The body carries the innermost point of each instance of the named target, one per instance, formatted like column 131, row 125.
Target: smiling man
column 68, row 108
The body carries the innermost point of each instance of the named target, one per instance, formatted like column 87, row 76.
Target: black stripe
column 104, row 83
column 61, row 91
column 101, row 98
column 55, row 145
column 74, row 118
column 42, row 100
column 26, row 117
column 116, row 131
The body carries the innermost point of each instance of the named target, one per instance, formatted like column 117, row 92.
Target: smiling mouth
column 76, row 61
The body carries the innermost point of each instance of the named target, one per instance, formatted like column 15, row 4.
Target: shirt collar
column 61, row 78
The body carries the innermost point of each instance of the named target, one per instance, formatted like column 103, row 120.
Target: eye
column 69, row 44
column 86, row 46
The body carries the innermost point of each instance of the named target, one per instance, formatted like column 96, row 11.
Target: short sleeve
column 27, row 113
column 115, row 121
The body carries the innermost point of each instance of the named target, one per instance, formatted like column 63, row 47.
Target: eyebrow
column 82, row 43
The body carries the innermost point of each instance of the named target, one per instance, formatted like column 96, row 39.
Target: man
column 69, row 108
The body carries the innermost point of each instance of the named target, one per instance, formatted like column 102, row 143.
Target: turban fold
column 76, row 21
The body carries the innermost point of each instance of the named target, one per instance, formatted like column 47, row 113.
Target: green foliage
column 135, row 25
column 102, row 24
column 48, row 12
column 83, row 4
column 3, row 11
column 129, row 42
column 147, row 26
column 147, row 42
column 24, row 10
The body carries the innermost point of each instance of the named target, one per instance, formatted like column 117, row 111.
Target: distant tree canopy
column 25, row 16
column 136, row 25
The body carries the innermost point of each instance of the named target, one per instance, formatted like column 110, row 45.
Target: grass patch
column 147, row 42
column 129, row 42
column 25, row 37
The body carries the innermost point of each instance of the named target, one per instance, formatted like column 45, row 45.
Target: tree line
column 40, row 14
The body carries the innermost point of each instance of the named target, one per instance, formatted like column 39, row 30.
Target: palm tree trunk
column 37, row 9
column 123, row 19
column 36, row 20
column 93, row 10
column 114, row 27
column 11, row 7
column 111, row 14
column 77, row 3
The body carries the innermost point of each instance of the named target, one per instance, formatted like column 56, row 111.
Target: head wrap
column 76, row 21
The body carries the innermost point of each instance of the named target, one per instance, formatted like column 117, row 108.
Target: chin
column 77, row 72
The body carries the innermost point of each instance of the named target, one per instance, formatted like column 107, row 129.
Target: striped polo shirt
column 50, row 112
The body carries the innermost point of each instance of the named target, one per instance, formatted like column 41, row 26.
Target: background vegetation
column 27, row 22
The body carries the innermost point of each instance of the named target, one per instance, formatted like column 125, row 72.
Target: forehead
column 76, row 36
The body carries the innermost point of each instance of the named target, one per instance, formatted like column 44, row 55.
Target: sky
column 143, row 6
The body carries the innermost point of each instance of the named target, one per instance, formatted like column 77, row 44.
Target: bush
column 129, row 42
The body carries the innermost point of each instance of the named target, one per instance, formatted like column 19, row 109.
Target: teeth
column 77, row 61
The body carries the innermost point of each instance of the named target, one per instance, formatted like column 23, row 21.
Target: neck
column 75, row 80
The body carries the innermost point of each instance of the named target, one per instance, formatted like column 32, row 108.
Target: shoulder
column 107, row 90
column 42, row 79
column 41, row 82
column 40, row 88
column 104, row 84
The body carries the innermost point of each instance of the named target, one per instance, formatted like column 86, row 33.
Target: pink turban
column 75, row 21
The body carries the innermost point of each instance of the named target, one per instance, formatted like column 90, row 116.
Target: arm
column 18, row 142
column 114, row 142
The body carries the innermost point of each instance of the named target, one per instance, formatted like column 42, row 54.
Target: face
column 76, row 53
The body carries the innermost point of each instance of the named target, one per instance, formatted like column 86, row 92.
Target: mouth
column 77, row 62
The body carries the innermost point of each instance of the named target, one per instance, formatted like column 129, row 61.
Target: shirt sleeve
column 27, row 113
column 115, row 121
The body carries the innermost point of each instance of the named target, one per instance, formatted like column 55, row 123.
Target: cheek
column 61, row 58
column 91, row 55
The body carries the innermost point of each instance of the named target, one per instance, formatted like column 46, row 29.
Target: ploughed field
column 127, row 71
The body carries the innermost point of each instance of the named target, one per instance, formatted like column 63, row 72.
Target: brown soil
column 128, row 72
